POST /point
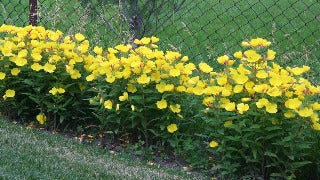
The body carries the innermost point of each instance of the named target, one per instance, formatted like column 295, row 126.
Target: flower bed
column 253, row 118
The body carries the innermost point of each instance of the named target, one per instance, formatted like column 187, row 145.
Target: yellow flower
column 225, row 92
column 124, row 97
column 294, row 103
column 110, row 78
column 289, row 114
column 240, row 78
column 97, row 50
column 123, row 48
column 6, row 51
column 131, row 88
column 41, row 118
column 174, row 72
column 14, row 72
column 108, row 104
column 36, row 57
column 132, row 107
column 245, row 99
column 262, row 102
column 49, row 68
column 245, row 44
column 228, row 123
column 213, row 144
column 172, row 128
column 274, row 92
column 79, row 37
column 91, row 77
column 2, row 75
column 314, row 118
column 208, row 100
column 271, row 108
column 238, row 55
column 137, row 41
column 204, row 67
column 154, row 39
column 23, row 53
column 54, row 91
column 305, row 112
column 36, row 67
column 271, row 55
column 223, row 59
column 20, row 61
column 175, row 108
column 315, row 106
column 262, row 74
column 53, row 36
column 9, row 93
column 61, row 90
column 143, row 79
column 230, row 62
column 252, row 56
column 230, row 106
column 222, row 80
column 289, row 94
column 162, row 104
column 316, row 126
column 145, row 40
column 259, row 42
column 238, row 89
column 117, row 107
column 242, row 108
column 261, row 88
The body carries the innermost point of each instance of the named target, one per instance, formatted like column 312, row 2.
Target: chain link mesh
column 201, row 29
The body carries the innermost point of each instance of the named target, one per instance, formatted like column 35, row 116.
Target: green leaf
column 28, row 82
column 67, row 102
column 299, row 164
column 153, row 132
column 272, row 128
column 144, row 123
column 270, row 154
column 254, row 153
column 61, row 119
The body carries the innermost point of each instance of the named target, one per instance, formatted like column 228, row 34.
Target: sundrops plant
column 261, row 113
column 254, row 118
column 139, row 90
column 43, row 76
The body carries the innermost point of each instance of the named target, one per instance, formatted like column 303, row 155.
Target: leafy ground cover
column 214, row 116
column 32, row 154
column 162, row 101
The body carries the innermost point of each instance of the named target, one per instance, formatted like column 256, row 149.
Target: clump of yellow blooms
column 31, row 50
column 258, row 83
column 251, row 79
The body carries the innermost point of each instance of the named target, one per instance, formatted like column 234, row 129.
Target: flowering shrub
column 258, row 120
column 40, row 73
column 140, row 90
column 262, row 113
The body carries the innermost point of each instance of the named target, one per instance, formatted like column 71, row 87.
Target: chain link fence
column 201, row 29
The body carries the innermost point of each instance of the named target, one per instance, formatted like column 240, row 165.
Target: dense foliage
column 254, row 118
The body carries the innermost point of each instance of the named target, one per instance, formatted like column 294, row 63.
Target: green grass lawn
column 32, row 154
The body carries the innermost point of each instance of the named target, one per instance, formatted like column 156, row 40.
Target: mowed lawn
column 32, row 154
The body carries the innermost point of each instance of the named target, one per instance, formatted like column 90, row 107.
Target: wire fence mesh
column 201, row 29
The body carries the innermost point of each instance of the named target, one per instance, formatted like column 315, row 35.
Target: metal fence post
column 33, row 12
